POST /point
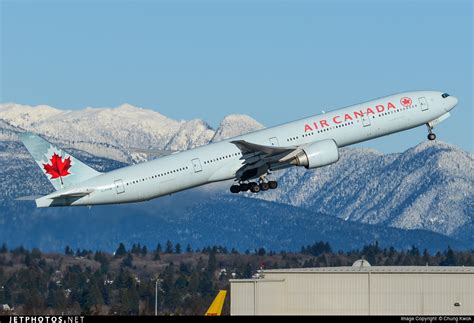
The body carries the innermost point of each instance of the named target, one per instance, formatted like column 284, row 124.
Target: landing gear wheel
column 254, row 188
column 264, row 186
column 272, row 184
column 235, row 188
column 431, row 135
column 244, row 187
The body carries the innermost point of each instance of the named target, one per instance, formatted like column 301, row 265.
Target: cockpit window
column 445, row 95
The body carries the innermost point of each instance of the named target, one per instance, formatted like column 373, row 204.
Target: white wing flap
column 262, row 157
column 249, row 148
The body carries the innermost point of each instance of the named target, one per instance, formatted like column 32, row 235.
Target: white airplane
column 310, row 142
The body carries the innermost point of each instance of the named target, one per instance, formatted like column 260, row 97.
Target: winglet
column 216, row 307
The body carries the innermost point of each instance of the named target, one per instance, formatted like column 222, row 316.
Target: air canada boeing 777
column 248, row 159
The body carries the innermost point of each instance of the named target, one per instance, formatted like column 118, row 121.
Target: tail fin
column 62, row 169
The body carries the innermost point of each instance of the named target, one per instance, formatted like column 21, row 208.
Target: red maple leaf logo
column 58, row 167
column 405, row 101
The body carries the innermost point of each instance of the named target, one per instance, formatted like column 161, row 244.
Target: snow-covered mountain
column 191, row 134
column 429, row 187
column 126, row 133
column 234, row 125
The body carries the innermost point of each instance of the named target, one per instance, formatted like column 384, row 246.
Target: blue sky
column 273, row 60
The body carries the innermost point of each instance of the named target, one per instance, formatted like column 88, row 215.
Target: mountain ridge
column 127, row 133
column 428, row 187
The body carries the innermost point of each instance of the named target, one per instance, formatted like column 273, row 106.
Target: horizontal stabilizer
column 28, row 198
column 70, row 194
column 63, row 197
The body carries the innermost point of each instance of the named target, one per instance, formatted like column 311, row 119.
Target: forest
column 182, row 281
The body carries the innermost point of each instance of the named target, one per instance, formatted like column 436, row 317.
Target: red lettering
column 335, row 120
column 379, row 108
column 347, row 117
column 369, row 110
column 323, row 123
column 307, row 127
column 358, row 114
column 390, row 106
column 315, row 125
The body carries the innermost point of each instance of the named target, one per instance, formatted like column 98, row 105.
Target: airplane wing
column 249, row 148
column 259, row 158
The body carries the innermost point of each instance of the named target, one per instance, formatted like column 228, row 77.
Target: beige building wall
column 353, row 291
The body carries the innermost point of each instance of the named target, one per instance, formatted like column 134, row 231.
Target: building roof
column 378, row 269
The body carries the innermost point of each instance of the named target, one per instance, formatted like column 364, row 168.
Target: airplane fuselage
column 221, row 160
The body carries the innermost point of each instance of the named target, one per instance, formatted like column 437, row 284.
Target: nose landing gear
column 431, row 135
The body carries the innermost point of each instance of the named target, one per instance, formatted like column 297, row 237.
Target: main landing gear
column 431, row 135
column 262, row 185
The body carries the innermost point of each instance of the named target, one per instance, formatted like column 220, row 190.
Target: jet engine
column 318, row 154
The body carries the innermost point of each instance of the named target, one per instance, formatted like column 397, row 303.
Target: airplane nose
column 451, row 103
column 455, row 101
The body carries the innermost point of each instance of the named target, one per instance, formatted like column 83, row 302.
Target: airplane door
column 196, row 165
column 366, row 120
column 119, row 186
column 273, row 141
column 423, row 103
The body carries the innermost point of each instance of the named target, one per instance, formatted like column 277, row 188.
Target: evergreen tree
column 134, row 301
column 178, row 248
column 4, row 248
column 169, row 247
column 35, row 253
column 158, row 248
column 144, row 251
column 18, row 251
column 193, row 282
column 212, row 262
column 120, row 251
column 68, row 251
column 51, row 298
column 28, row 260
column 450, row 259
column 128, row 261
column 181, row 282
column 248, row 270
column 189, row 249
column 170, row 298
column 184, row 268
column 206, row 286
column 34, row 303
column 92, row 297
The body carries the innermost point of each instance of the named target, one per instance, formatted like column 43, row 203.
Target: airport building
column 358, row 290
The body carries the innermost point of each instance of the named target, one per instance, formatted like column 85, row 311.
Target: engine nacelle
column 321, row 153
